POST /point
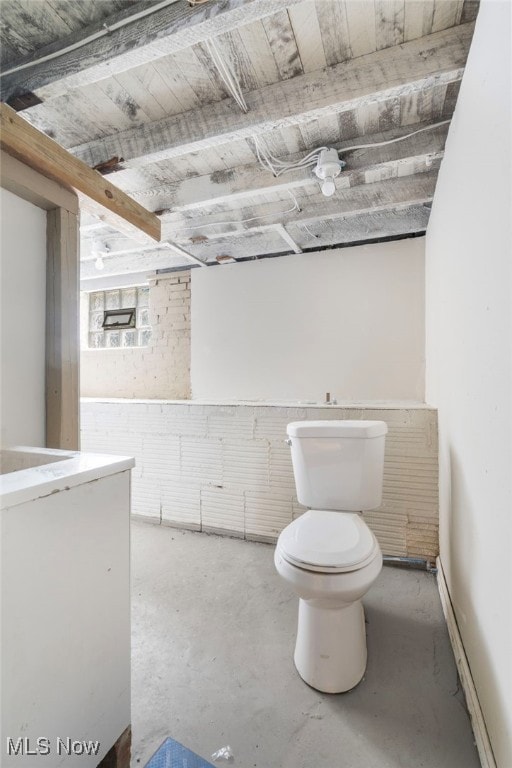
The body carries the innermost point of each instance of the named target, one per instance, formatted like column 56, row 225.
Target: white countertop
column 69, row 469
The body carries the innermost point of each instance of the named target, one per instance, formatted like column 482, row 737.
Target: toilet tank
column 338, row 465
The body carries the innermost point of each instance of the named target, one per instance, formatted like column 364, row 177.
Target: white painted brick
column 222, row 510
column 201, row 461
column 246, row 464
column 226, row 468
column 281, row 470
column 267, row 513
column 181, row 504
column 231, row 423
column 161, row 370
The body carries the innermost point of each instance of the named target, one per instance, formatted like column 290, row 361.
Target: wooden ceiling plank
column 144, row 92
column 282, row 42
column 181, row 96
column 367, row 118
column 238, row 184
column 163, row 32
column 361, row 26
column 24, row 142
column 445, row 14
column 389, row 22
column 377, row 77
column 365, row 198
column 259, row 53
column 265, row 240
column 64, row 126
column 332, row 18
column 418, row 19
column 304, row 20
column 469, row 10
column 394, row 222
column 234, row 55
column 202, row 81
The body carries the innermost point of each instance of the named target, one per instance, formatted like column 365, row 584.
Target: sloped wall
column 469, row 370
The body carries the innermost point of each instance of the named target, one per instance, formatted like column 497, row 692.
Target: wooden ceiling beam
column 366, row 198
column 33, row 148
column 375, row 78
column 157, row 34
column 363, row 227
column 234, row 185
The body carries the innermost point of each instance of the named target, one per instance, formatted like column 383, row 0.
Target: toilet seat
column 328, row 542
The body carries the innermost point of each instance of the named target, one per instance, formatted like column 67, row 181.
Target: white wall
column 469, row 344
column 348, row 321
column 22, row 321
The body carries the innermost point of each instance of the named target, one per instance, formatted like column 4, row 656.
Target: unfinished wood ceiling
column 145, row 99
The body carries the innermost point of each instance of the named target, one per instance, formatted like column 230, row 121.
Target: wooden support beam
column 234, row 185
column 62, row 333
column 378, row 77
column 159, row 33
column 390, row 194
column 24, row 142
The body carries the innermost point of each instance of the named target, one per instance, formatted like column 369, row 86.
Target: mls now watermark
column 43, row 746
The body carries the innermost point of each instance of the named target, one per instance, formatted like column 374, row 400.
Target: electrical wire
column 277, row 166
column 106, row 30
column 296, row 207
column 305, row 226
column 392, row 141
column 228, row 76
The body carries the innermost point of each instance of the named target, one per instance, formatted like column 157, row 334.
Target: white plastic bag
column 224, row 753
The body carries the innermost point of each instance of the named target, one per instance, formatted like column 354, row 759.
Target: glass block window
column 101, row 304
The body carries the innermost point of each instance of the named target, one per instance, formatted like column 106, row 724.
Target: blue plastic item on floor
column 171, row 754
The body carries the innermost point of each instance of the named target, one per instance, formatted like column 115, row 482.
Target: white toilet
column 329, row 556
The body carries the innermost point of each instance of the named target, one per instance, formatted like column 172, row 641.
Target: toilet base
column 330, row 652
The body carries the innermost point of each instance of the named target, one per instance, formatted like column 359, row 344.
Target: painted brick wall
column 226, row 468
column 161, row 370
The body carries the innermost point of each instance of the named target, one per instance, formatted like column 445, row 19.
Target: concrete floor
column 213, row 638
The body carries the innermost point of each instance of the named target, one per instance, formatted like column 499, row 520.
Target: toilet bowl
column 330, row 650
column 329, row 556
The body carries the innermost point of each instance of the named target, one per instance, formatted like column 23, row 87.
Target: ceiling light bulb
column 328, row 188
column 99, row 263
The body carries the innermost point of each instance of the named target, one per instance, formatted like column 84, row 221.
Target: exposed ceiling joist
column 157, row 34
column 288, row 238
column 409, row 190
column 323, row 73
column 235, row 185
column 266, row 240
column 24, row 142
column 378, row 77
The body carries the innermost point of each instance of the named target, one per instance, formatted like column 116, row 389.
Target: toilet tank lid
column 340, row 428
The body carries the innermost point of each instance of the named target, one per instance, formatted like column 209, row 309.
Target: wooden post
column 62, row 331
